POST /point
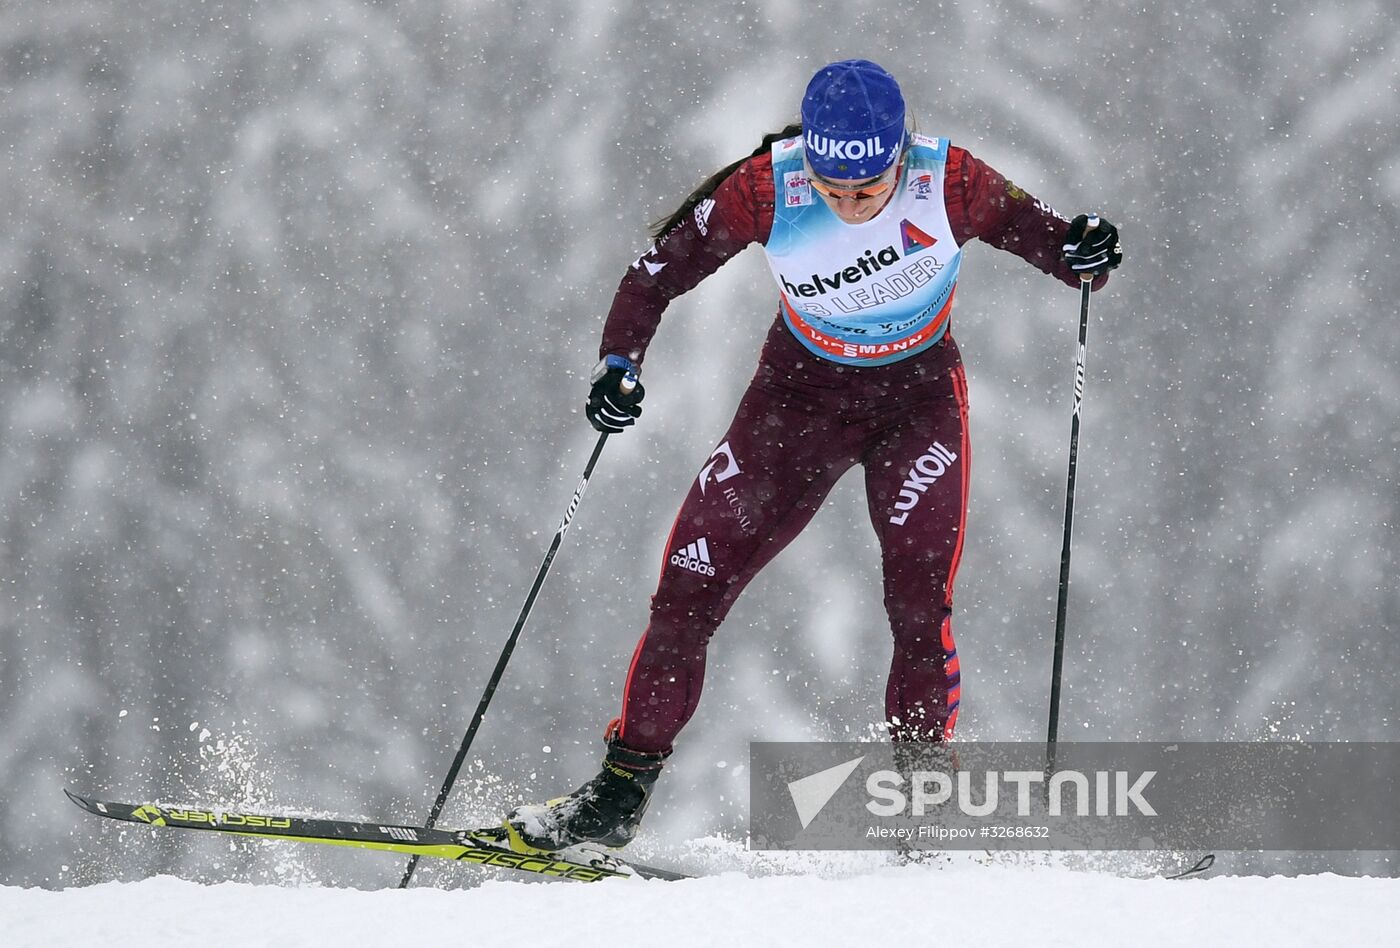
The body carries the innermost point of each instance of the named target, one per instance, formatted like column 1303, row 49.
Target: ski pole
column 1057, row 669
column 506, row 653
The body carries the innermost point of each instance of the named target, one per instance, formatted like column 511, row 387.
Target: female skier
column 863, row 224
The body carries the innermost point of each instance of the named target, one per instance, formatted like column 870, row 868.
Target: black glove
column 1093, row 250
column 615, row 401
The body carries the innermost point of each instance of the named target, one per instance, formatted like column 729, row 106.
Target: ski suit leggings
column 802, row 423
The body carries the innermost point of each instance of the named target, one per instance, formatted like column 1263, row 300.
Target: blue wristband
column 621, row 362
column 613, row 361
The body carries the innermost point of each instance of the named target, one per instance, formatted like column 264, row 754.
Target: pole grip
column 1092, row 224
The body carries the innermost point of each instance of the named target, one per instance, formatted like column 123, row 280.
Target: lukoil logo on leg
column 930, row 466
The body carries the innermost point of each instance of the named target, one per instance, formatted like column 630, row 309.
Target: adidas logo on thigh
column 694, row 557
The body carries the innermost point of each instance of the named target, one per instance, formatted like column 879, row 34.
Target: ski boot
column 606, row 810
column 910, row 759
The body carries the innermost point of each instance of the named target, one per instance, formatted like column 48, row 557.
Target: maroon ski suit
column 803, row 422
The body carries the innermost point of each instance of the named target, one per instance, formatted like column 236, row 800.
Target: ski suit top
column 845, row 300
column 867, row 294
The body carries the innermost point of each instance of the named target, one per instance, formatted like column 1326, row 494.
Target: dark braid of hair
column 713, row 182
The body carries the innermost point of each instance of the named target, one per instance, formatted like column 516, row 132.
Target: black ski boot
column 606, row 810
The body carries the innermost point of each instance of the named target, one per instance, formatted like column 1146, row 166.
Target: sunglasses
column 859, row 192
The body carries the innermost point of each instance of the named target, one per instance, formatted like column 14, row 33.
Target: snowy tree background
column 297, row 302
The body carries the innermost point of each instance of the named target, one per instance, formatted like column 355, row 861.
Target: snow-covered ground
column 942, row 904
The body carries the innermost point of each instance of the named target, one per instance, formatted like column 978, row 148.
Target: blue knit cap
column 852, row 120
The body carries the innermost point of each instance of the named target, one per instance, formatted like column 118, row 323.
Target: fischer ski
column 489, row 847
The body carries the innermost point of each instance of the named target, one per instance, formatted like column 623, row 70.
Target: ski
column 488, row 847
column 1200, row 868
